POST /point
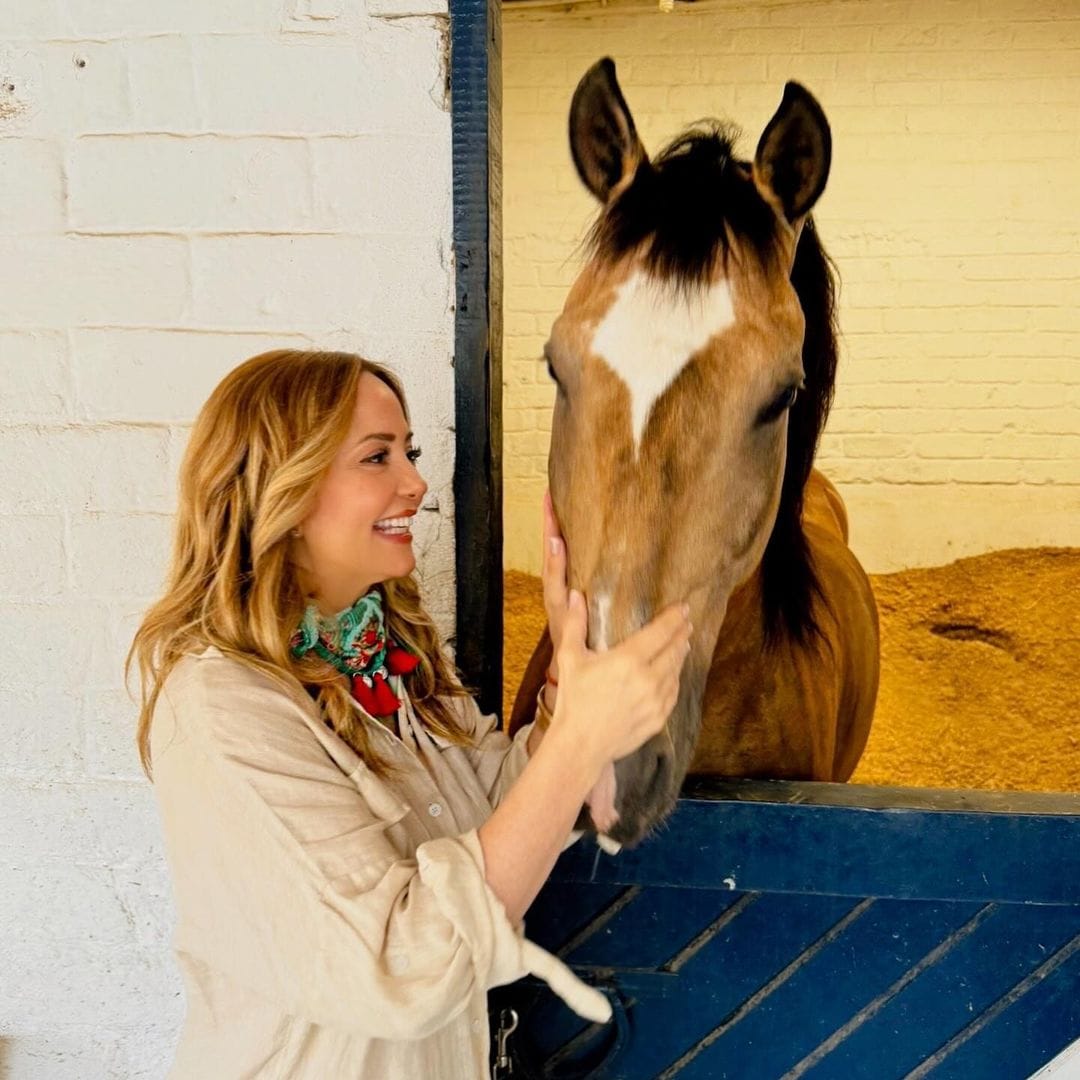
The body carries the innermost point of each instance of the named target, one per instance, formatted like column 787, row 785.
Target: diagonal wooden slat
column 843, row 1034
column 699, row 941
column 759, row 995
column 654, row 929
column 842, row 978
column 728, row 970
column 600, row 920
column 949, row 989
column 1016, row 1029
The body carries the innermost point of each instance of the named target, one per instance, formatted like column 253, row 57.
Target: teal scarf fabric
column 355, row 642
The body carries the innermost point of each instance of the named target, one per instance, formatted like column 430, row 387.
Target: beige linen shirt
column 332, row 925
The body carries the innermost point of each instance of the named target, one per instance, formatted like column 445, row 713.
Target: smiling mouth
column 393, row 526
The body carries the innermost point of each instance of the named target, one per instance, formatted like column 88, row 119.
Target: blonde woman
column 352, row 845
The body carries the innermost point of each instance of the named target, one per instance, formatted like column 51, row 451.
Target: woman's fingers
column 575, row 626
column 554, row 572
column 674, row 654
column 655, row 637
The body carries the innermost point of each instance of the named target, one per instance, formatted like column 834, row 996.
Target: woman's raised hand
column 556, row 596
column 616, row 700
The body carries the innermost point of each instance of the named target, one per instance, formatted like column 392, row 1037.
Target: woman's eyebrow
column 385, row 436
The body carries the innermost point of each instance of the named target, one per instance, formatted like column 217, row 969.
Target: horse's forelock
column 683, row 208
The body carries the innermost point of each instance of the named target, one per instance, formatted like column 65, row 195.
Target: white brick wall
column 184, row 185
column 951, row 211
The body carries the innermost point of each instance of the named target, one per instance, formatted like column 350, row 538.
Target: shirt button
column 434, row 809
column 398, row 963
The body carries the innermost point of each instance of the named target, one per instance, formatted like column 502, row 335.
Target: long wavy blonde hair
column 259, row 448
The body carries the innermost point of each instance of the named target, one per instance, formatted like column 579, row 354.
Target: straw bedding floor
column 980, row 679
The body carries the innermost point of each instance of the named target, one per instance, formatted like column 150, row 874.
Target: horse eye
column 551, row 371
column 780, row 405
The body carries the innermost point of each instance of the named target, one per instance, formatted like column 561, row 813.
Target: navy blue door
column 823, row 931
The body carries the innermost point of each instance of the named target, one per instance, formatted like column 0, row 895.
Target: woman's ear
column 603, row 139
column 792, row 160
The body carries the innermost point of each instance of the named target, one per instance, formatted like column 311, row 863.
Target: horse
column 694, row 362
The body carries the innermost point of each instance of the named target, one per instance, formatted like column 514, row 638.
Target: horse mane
column 789, row 581
column 683, row 208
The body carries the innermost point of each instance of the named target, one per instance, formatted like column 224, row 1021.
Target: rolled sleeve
column 403, row 958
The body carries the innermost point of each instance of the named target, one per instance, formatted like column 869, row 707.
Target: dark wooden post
column 476, row 108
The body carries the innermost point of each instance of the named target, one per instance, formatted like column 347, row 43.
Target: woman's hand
column 556, row 595
column 614, row 701
column 609, row 704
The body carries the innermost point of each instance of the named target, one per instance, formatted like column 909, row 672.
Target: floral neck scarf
column 356, row 643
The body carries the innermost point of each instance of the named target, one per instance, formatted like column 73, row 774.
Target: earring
column 297, row 532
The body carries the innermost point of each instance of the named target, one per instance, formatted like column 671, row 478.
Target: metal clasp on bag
column 508, row 1022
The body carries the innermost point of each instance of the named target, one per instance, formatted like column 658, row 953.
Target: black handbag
column 517, row 1014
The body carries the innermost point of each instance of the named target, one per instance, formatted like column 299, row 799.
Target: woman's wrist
column 578, row 765
column 549, row 692
column 544, row 712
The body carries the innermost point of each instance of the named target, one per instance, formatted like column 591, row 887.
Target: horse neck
column 742, row 628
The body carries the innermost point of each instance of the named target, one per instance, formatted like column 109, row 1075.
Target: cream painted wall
column 951, row 211
column 184, row 185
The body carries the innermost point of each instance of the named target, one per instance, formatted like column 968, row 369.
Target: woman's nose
column 413, row 485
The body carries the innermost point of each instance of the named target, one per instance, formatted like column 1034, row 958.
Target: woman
column 352, row 845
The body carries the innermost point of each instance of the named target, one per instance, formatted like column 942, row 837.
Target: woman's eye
column 414, row 455
column 376, row 459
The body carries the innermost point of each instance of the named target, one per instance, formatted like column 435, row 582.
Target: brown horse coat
column 788, row 711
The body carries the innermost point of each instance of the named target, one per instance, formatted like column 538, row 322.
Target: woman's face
column 358, row 533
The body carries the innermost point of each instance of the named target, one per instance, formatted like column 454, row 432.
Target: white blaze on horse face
column 650, row 332
column 602, row 619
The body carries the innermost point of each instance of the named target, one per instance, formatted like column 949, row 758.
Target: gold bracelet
column 543, row 713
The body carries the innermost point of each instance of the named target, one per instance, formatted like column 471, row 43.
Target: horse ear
column 792, row 160
column 603, row 139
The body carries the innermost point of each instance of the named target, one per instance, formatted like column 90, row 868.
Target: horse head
column 679, row 360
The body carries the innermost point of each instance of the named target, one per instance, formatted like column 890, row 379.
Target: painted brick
column 32, row 171
column 372, row 184
column 57, row 281
column 35, row 378
column 299, row 281
column 259, row 84
column 159, row 376
column 33, row 555
column 108, row 723
column 48, row 469
column 951, row 447
column 169, row 183
column 120, row 557
column 43, row 732
column 59, row 89
column 376, row 83
column 164, row 93
column 135, row 18
column 397, row 9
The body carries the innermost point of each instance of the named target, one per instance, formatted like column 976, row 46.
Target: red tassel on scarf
column 400, row 661
column 377, row 699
